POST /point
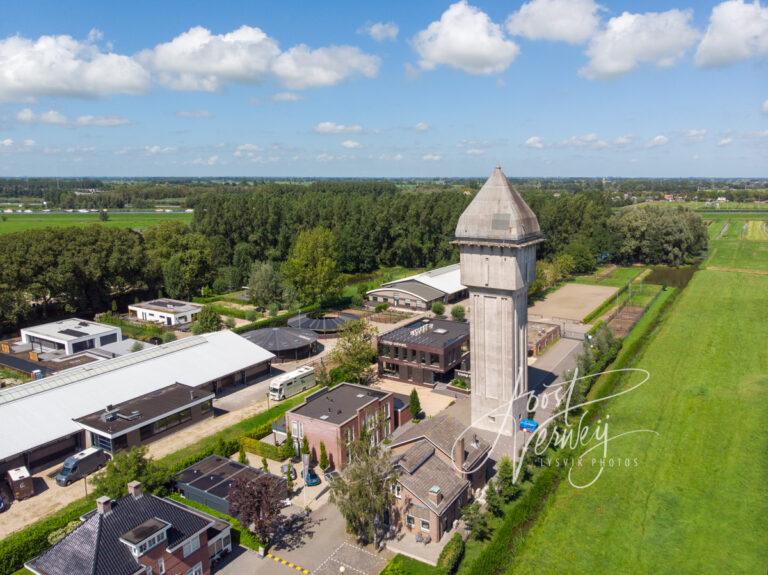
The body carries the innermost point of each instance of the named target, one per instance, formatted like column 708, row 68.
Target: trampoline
column 287, row 343
column 322, row 323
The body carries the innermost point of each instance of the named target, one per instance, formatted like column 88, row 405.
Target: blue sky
column 545, row 87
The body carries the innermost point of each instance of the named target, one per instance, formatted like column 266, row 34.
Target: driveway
column 318, row 544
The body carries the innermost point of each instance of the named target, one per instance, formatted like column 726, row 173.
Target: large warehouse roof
column 446, row 279
column 41, row 411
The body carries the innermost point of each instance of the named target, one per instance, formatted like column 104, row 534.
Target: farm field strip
column 757, row 231
column 23, row 222
column 695, row 501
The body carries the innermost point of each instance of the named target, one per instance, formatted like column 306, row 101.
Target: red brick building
column 335, row 416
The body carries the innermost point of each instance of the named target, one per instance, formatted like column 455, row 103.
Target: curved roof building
column 321, row 323
column 287, row 343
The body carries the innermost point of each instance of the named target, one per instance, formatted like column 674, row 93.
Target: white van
column 291, row 383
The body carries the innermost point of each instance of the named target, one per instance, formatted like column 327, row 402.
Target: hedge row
column 240, row 535
column 451, row 555
column 252, row 444
column 277, row 321
column 499, row 553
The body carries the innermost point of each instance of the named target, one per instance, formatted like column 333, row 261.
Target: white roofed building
column 38, row 420
column 69, row 336
column 420, row 291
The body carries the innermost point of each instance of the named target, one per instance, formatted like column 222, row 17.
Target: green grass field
column 22, row 222
column 743, row 245
column 617, row 278
column 695, row 502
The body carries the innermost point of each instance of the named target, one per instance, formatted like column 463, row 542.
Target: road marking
column 282, row 561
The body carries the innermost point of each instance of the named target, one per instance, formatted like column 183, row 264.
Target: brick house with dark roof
column 136, row 535
column 439, row 464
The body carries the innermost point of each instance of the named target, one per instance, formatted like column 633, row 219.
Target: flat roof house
column 439, row 464
column 335, row 416
column 137, row 534
column 425, row 351
column 420, row 291
column 165, row 311
column 44, row 421
column 69, row 336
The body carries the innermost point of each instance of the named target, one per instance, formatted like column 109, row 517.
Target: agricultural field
column 10, row 223
column 739, row 244
column 692, row 498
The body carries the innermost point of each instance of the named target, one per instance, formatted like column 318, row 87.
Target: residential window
column 196, row 570
column 148, row 570
column 424, row 525
column 409, row 520
column 107, row 339
column 206, row 406
column 161, row 566
column 434, row 359
column 191, row 546
column 422, row 357
column 397, row 490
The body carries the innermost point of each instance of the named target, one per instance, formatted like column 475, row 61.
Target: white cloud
column 423, row 126
column 351, row 144
column 64, row 66
column 7, row 143
column 194, row 114
column 301, row 67
column 200, row 60
column 765, row 107
column 157, row 150
column 591, row 140
column 388, row 157
column 324, row 157
column 657, row 141
column 249, row 151
column 572, row 21
column 534, row 142
column 381, row 31
column 629, row 40
column 53, row 117
column 623, row 141
column 209, row 161
column 102, row 121
column 475, row 152
column 695, row 135
column 431, row 157
column 286, row 97
column 334, row 128
column 736, row 31
column 467, row 39
column 727, row 141
column 28, row 143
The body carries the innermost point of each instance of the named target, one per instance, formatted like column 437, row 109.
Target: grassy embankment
column 10, row 223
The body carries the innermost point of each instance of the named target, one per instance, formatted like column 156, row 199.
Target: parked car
column 287, row 468
column 311, row 479
column 81, row 465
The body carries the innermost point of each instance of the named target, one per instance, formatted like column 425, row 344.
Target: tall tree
column 264, row 286
column 207, row 321
column 414, row 404
column 355, row 352
column 257, row 503
column 311, row 266
column 127, row 466
column 363, row 493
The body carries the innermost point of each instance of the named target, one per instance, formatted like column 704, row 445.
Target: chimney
column 104, row 505
column 435, row 495
column 458, row 453
column 134, row 489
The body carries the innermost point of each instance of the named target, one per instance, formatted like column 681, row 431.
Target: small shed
column 209, row 481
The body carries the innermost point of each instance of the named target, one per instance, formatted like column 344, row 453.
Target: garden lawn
column 24, row 222
column 695, row 502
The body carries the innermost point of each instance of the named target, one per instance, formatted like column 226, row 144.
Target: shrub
column 438, row 308
column 240, row 535
column 458, row 313
column 451, row 555
column 323, row 456
column 381, row 307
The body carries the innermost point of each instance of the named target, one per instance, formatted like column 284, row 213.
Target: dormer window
column 146, row 536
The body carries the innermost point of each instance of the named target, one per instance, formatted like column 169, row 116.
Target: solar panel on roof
column 72, row 332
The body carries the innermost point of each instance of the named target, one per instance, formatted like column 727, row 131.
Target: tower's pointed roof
column 498, row 213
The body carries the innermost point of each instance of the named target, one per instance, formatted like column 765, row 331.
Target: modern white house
column 165, row 311
column 69, row 336
column 420, row 291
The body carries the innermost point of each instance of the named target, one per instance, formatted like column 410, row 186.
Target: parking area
column 572, row 302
